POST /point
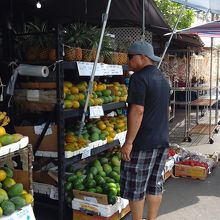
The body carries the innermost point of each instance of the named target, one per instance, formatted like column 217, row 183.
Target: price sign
column 86, row 152
column 54, row 193
column 26, row 213
column 96, row 111
column 85, row 69
column 39, row 128
column 112, row 70
column 33, row 95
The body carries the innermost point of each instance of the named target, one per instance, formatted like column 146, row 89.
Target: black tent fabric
column 122, row 12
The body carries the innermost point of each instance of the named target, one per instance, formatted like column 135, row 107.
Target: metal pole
column 60, row 124
column 217, row 78
column 143, row 22
column 90, row 87
column 210, row 90
column 174, row 30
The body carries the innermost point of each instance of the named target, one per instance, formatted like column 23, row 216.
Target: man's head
column 141, row 54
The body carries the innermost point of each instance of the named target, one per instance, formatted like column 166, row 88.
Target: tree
column 171, row 11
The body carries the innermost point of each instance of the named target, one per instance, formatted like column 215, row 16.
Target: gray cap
column 143, row 48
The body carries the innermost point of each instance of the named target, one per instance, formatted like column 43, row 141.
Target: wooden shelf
column 203, row 102
column 203, row 129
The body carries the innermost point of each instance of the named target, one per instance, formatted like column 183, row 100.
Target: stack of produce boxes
column 96, row 189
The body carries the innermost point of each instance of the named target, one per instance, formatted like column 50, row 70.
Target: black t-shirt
column 149, row 88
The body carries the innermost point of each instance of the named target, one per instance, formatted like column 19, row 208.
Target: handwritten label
column 39, row 128
column 85, row 69
column 54, row 193
column 96, row 111
column 86, row 153
column 90, row 199
column 26, row 213
column 33, row 95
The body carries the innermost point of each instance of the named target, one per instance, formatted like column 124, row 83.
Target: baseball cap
column 143, row 48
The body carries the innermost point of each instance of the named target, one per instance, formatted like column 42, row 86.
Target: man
column 145, row 149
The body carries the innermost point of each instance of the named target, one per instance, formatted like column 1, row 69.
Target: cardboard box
column 96, row 208
column 189, row 171
column 167, row 174
column 49, row 142
column 22, row 176
column 91, row 197
column 43, row 177
column 83, row 210
column 78, row 215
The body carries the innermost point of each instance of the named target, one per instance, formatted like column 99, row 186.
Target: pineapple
column 122, row 58
column 78, row 53
column 70, row 54
column 43, row 54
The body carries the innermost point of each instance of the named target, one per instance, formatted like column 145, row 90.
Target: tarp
column 204, row 5
column 122, row 12
column 210, row 29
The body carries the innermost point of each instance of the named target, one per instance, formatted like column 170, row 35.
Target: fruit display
column 75, row 94
column 6, row 139
column 12, row 195
column 99, row 176
column 105, row 128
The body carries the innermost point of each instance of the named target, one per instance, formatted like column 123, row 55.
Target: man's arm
column 135, row 117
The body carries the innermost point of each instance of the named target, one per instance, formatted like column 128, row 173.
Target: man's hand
column 126, row 151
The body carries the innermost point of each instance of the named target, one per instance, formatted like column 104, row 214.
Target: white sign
column 90, row 199
column 86, row 152
column 26, row 213
column 85, row 69
column 54, row 193
column 33, row 95
column 96, row 111
column 39, row 128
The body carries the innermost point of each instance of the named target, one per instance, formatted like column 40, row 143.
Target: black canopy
column 122, row 12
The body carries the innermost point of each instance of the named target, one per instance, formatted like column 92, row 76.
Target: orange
column 2, row 175
column 112, row 134
column 67, row 84
column 70, row 138
column 66, row 90
column 2, row 131
column 81, row 96
column 109, row 129
column 101, row 126
column 67, row 104
column 74, row 90
column 109, row 139
column 76, row 104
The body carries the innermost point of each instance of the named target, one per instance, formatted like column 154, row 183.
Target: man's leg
column 153, row 205
column 137, row 208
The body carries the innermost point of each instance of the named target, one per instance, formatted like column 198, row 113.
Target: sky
column 206, row 40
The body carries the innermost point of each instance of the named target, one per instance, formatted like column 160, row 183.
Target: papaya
column 9, row 171
column 1, row 212
column 6, row 139
column 28, row 198
column 15, row 190
column 18, row 201
column 8, row 182
column 16, row 137
column 8, row 207
column 3, row 195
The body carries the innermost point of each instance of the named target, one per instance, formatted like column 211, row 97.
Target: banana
column 2, row 115
column 5, row 121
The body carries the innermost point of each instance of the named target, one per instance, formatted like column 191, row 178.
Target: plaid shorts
column 143, row 174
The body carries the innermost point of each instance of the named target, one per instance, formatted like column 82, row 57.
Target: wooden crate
column 35, row 95
column 195, row 172
column 37, row 85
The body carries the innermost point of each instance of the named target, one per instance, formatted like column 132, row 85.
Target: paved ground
column 186, row 198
